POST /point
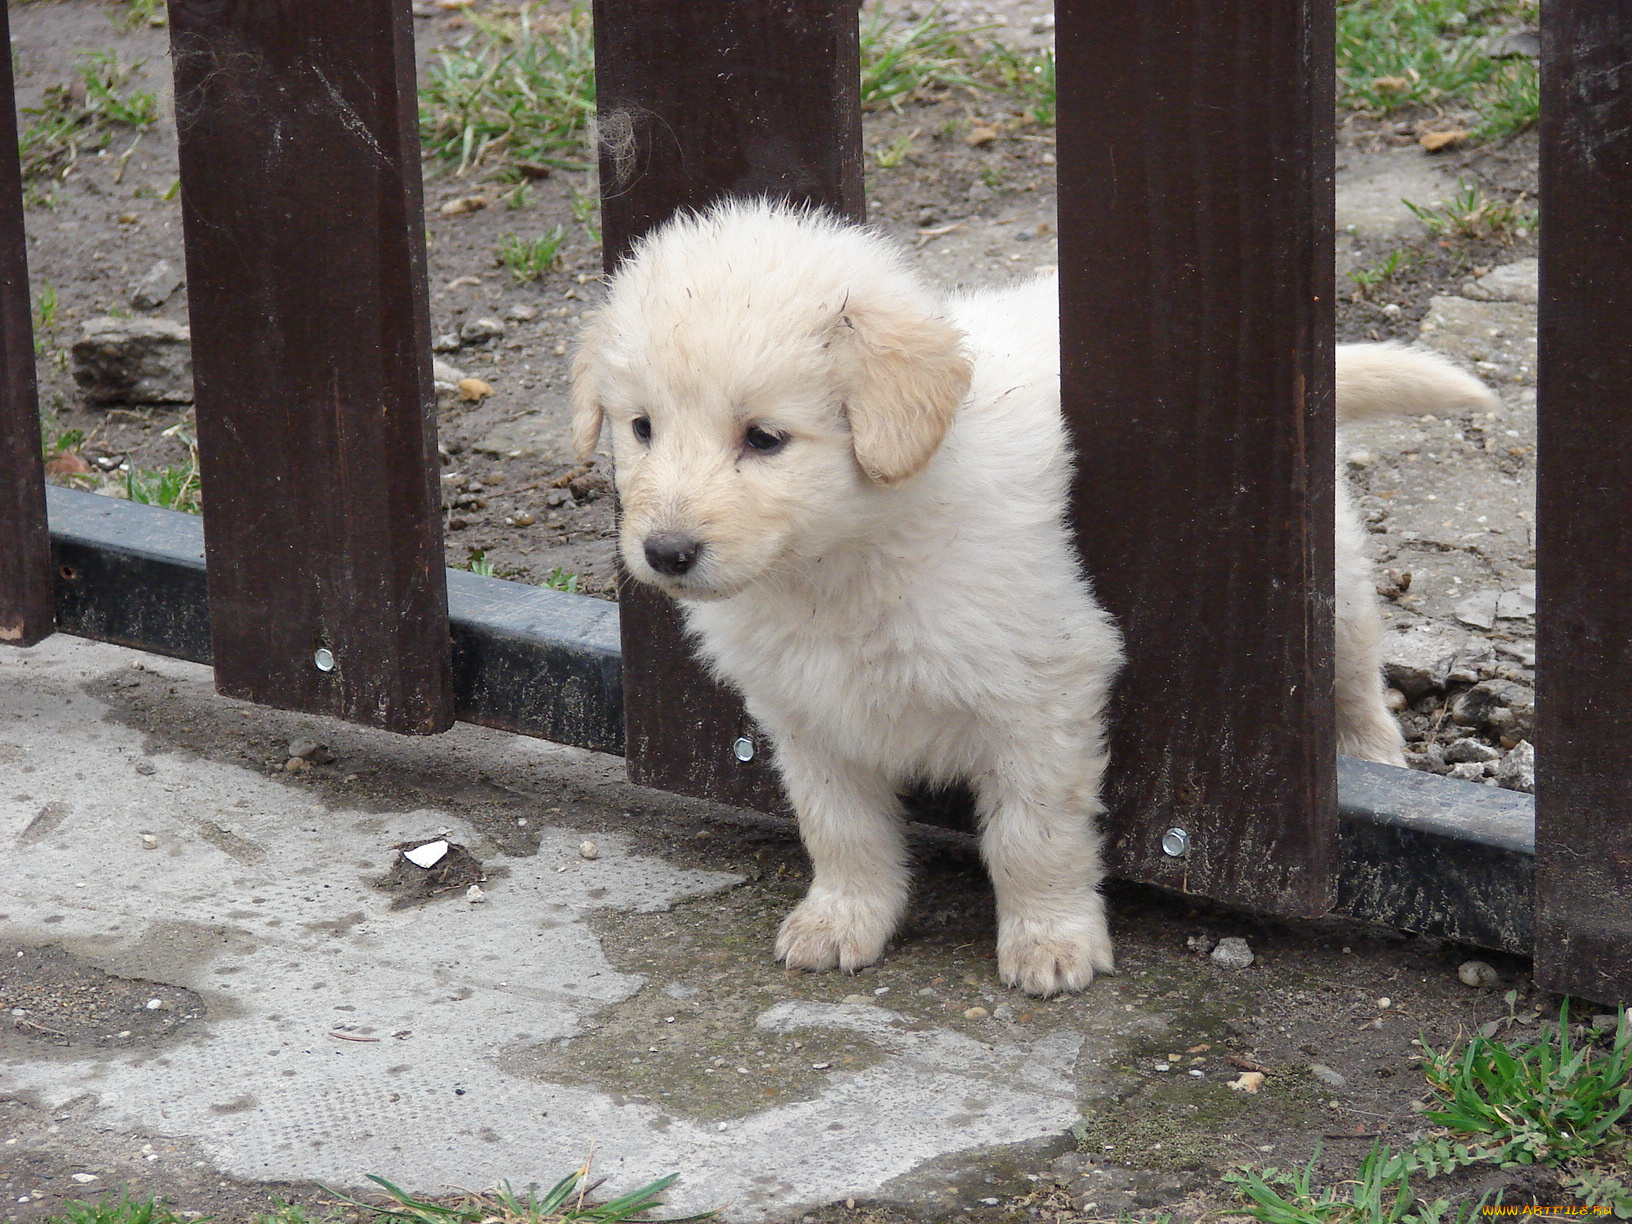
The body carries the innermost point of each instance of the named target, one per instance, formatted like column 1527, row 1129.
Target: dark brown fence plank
column 1195, row 247
column 699, row 101
column 306, row 271
column 25, row 546
column 1584, row 496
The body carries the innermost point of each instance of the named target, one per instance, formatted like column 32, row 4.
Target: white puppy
column 857, row 491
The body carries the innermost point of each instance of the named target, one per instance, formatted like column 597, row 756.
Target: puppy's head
column 764, row 373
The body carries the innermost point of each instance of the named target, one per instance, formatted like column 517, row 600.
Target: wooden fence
column 1196, row 165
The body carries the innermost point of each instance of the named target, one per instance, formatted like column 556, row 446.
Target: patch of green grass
column 1380, row 1194
column 1398, row 55
column 122, row 1209
column 1385, row 270
column 892, row 155
column 1471, row 214
column 45, row 316
column 899, row 61
column 928, row 57
column 561, row 580
column 174, row 488
column 567, row 1200
column 1552, row 1102
column 1029, row 75
column 477, row 563
column 530, row 258
column 516, row 89
column 145, row 13
column 82, row 116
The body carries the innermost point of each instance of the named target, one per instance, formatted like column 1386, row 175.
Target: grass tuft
column 1471, row 214
column 122, row 1209
column 82, row 115
column 1552, row 1102
column 566, row 1201
column 518, row 89
column 1403, row 55
column 559, row 579
column 530, row 258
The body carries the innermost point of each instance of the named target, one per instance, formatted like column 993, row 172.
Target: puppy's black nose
column 672, row 554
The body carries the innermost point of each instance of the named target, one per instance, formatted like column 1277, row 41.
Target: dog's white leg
column 1042, row 849
column 850, row 822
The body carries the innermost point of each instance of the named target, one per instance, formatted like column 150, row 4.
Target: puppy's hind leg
column 850, row 822
column 1042, row 850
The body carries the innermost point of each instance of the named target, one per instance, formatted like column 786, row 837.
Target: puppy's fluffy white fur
column 857, row 489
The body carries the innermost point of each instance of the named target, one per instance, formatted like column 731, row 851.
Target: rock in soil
column 134, row 361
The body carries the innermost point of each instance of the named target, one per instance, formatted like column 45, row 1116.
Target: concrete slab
column 459, row 1043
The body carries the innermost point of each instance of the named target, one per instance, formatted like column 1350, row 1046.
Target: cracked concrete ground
column 455, row 1042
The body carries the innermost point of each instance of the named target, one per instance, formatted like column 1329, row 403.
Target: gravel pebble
column 1233, row 953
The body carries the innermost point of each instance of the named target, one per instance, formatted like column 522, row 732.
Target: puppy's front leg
column 1042, row 850
column 850, row 821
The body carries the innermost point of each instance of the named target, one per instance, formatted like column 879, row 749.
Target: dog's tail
column 1390, row 379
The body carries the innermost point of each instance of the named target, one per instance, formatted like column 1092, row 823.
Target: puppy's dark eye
column 764, row 440
column 643, row 428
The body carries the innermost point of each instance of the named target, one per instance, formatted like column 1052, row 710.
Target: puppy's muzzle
column 672, row 555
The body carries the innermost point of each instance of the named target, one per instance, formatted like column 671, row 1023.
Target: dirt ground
column 1352, row 1000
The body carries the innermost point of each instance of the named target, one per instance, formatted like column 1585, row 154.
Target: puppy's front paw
column 831, row 929
column 1046, row 958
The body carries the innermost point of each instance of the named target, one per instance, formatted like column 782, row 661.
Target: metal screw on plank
column 743, row 749
column 324, row 658
column 1176, row 843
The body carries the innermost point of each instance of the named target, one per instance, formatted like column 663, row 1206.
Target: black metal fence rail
column 1196, row 172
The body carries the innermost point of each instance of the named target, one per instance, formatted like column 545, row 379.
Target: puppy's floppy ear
column 586, row 391
column 907, row 377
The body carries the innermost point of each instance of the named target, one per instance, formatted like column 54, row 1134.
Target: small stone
column 154, row 1004
column 522, row 520
column 1201, row 943
column 979, row 136
column 84, row 1179
column 1467, row 771
column 1477, row 973
column 588, row 850
column 975, row 1013
column 1519, row 603
column 1479, row 610
column 521, row 313
column 294, row 765
column 1395, row 700
column 447, row 342
column 1517, row 771
column 1233, row 953
column 475, row 895
column 134, row 361
column 476, row 331
column 1249, row 1081
column 154, row 289
column 1459, row 751
column 146, row 768
column 1323, row 1073
column 473, row 390
column 303, row 748
column 1514, row 282
column 464, row 204
column 856, row 998
column 1470, row 664
column 1501, row 705
column 149, row 842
